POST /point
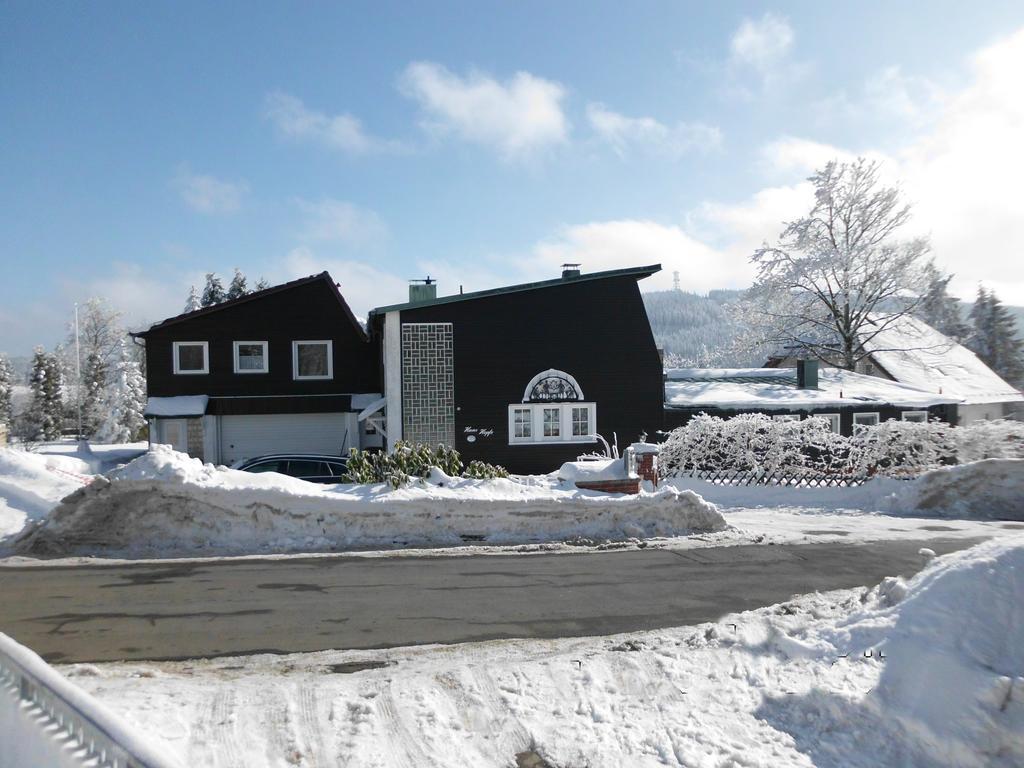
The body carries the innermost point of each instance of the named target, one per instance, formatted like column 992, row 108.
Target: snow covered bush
column 999, row 439
column 901, row 447
column 410, row 461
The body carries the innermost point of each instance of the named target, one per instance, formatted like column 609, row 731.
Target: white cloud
column 342, row 132
column 363, row 285
column 208, row 194
column 646, row 133
column 518, row 117
column 762, row 44
column 341, row 222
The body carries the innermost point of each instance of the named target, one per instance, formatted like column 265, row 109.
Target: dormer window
column 191, row 357
column 251, row 357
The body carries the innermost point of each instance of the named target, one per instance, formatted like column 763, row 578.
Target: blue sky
column 142, row 145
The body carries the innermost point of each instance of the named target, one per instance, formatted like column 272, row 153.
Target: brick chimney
column 646, row 456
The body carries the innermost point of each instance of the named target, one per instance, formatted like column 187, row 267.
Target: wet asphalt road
column 176, row 611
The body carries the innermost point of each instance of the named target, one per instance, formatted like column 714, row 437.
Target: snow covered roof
column 914, row 353
column 180, row 406
column 767, row 388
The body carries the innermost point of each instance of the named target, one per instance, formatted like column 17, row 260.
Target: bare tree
column 838, row 277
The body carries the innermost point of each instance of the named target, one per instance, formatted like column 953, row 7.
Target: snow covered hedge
column 758, row 443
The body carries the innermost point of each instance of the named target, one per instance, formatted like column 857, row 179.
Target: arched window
column 552, row 386
column 552, row 411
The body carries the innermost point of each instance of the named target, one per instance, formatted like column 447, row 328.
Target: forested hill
column 695, row 328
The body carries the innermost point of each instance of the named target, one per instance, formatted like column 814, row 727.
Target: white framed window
column 191, row 357
column 833, row 420
column 313, row 359
column 787, row 417
column 861, row 420
column 918, row 416
column 571, row 422
column 521, row 427
column 251, row 357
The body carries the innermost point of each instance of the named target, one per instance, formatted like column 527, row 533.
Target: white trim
column 266, row 356
column 917, row 416
column 551, row 372
column 393, row 377
column 565, row 435
column 295, row 359
column 834, row 419
column 175, row 346
column 786, row 417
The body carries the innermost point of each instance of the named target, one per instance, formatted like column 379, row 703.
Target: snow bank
column 590, row 471
column 167, row 503
column 954, row 654
column 31, row 484
column 989, row 489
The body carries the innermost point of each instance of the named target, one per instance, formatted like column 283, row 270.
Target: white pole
column 78, row 374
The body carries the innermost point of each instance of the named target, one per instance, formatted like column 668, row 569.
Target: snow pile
column 954, row 655
column 591, row 471
column 167, row 503
column 989, row 489
column 31, row 484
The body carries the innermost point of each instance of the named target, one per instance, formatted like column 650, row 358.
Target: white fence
column 45, row 720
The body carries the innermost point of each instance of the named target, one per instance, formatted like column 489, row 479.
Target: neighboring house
column 526, row 376
column 910, row 351
column 288, row 368
column 845, row 398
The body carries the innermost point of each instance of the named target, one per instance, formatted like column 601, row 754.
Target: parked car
column 312, row 467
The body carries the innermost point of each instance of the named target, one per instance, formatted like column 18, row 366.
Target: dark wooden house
column 527, row 376
column 285, row 369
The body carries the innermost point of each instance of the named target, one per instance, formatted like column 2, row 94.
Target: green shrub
column 412, row 461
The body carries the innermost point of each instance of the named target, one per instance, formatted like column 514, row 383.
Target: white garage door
column 243, row 437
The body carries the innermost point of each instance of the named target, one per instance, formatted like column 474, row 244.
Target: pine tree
column 46, row 411
column 238, row 288
column 994, row 338
column 6, row 391
column 213, row 293
column 261, row 284
column 94, row 381
column 123, row 402
column 940, row 310
column 192, row 303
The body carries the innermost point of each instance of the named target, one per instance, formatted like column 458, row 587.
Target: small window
column 522, row 423
column 313, row 359
column 917, row 416
column 787, row 417
column 191, row 357
column 861, row 420
column 306, row 468
column 552, row 422
column 833, row 420
column 251, row 357
column 580, row 421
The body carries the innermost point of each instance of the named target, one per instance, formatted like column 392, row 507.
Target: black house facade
column 528, row 376
column 285, row 369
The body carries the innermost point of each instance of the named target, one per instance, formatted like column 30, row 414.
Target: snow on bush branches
column 755, row 442
column 413, row 460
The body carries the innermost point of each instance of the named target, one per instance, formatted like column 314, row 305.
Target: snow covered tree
column 123, row 402
column 838, row 276
column 94, row 382
column 994, row 337
column 940, row 310
column 192, row 302
column 100, row 330
column 238, row 288
column 6, row 392
column 46, row 410
column 213, row 293
column 261, row 285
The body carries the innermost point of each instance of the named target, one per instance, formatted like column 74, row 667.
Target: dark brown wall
column 309, row 311
column 597, row 331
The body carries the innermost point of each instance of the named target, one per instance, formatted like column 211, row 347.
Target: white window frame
column 835, row 422
column 295, row 359
column 786, row 417
column 266, row 356
column 564, row 422
column 916, row 416
column 175, row 346
column 856, row 416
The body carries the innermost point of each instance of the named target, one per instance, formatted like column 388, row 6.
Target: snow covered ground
column 928, row 672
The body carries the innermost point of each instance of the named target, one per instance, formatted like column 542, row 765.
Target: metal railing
column 61, row 713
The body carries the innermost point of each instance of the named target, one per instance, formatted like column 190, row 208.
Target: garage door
column 243, row 437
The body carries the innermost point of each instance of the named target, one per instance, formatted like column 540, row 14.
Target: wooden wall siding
column 678, row 417
column 596, row 331
column 306, row 312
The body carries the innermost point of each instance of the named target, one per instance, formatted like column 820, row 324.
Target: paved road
column 175, row 611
